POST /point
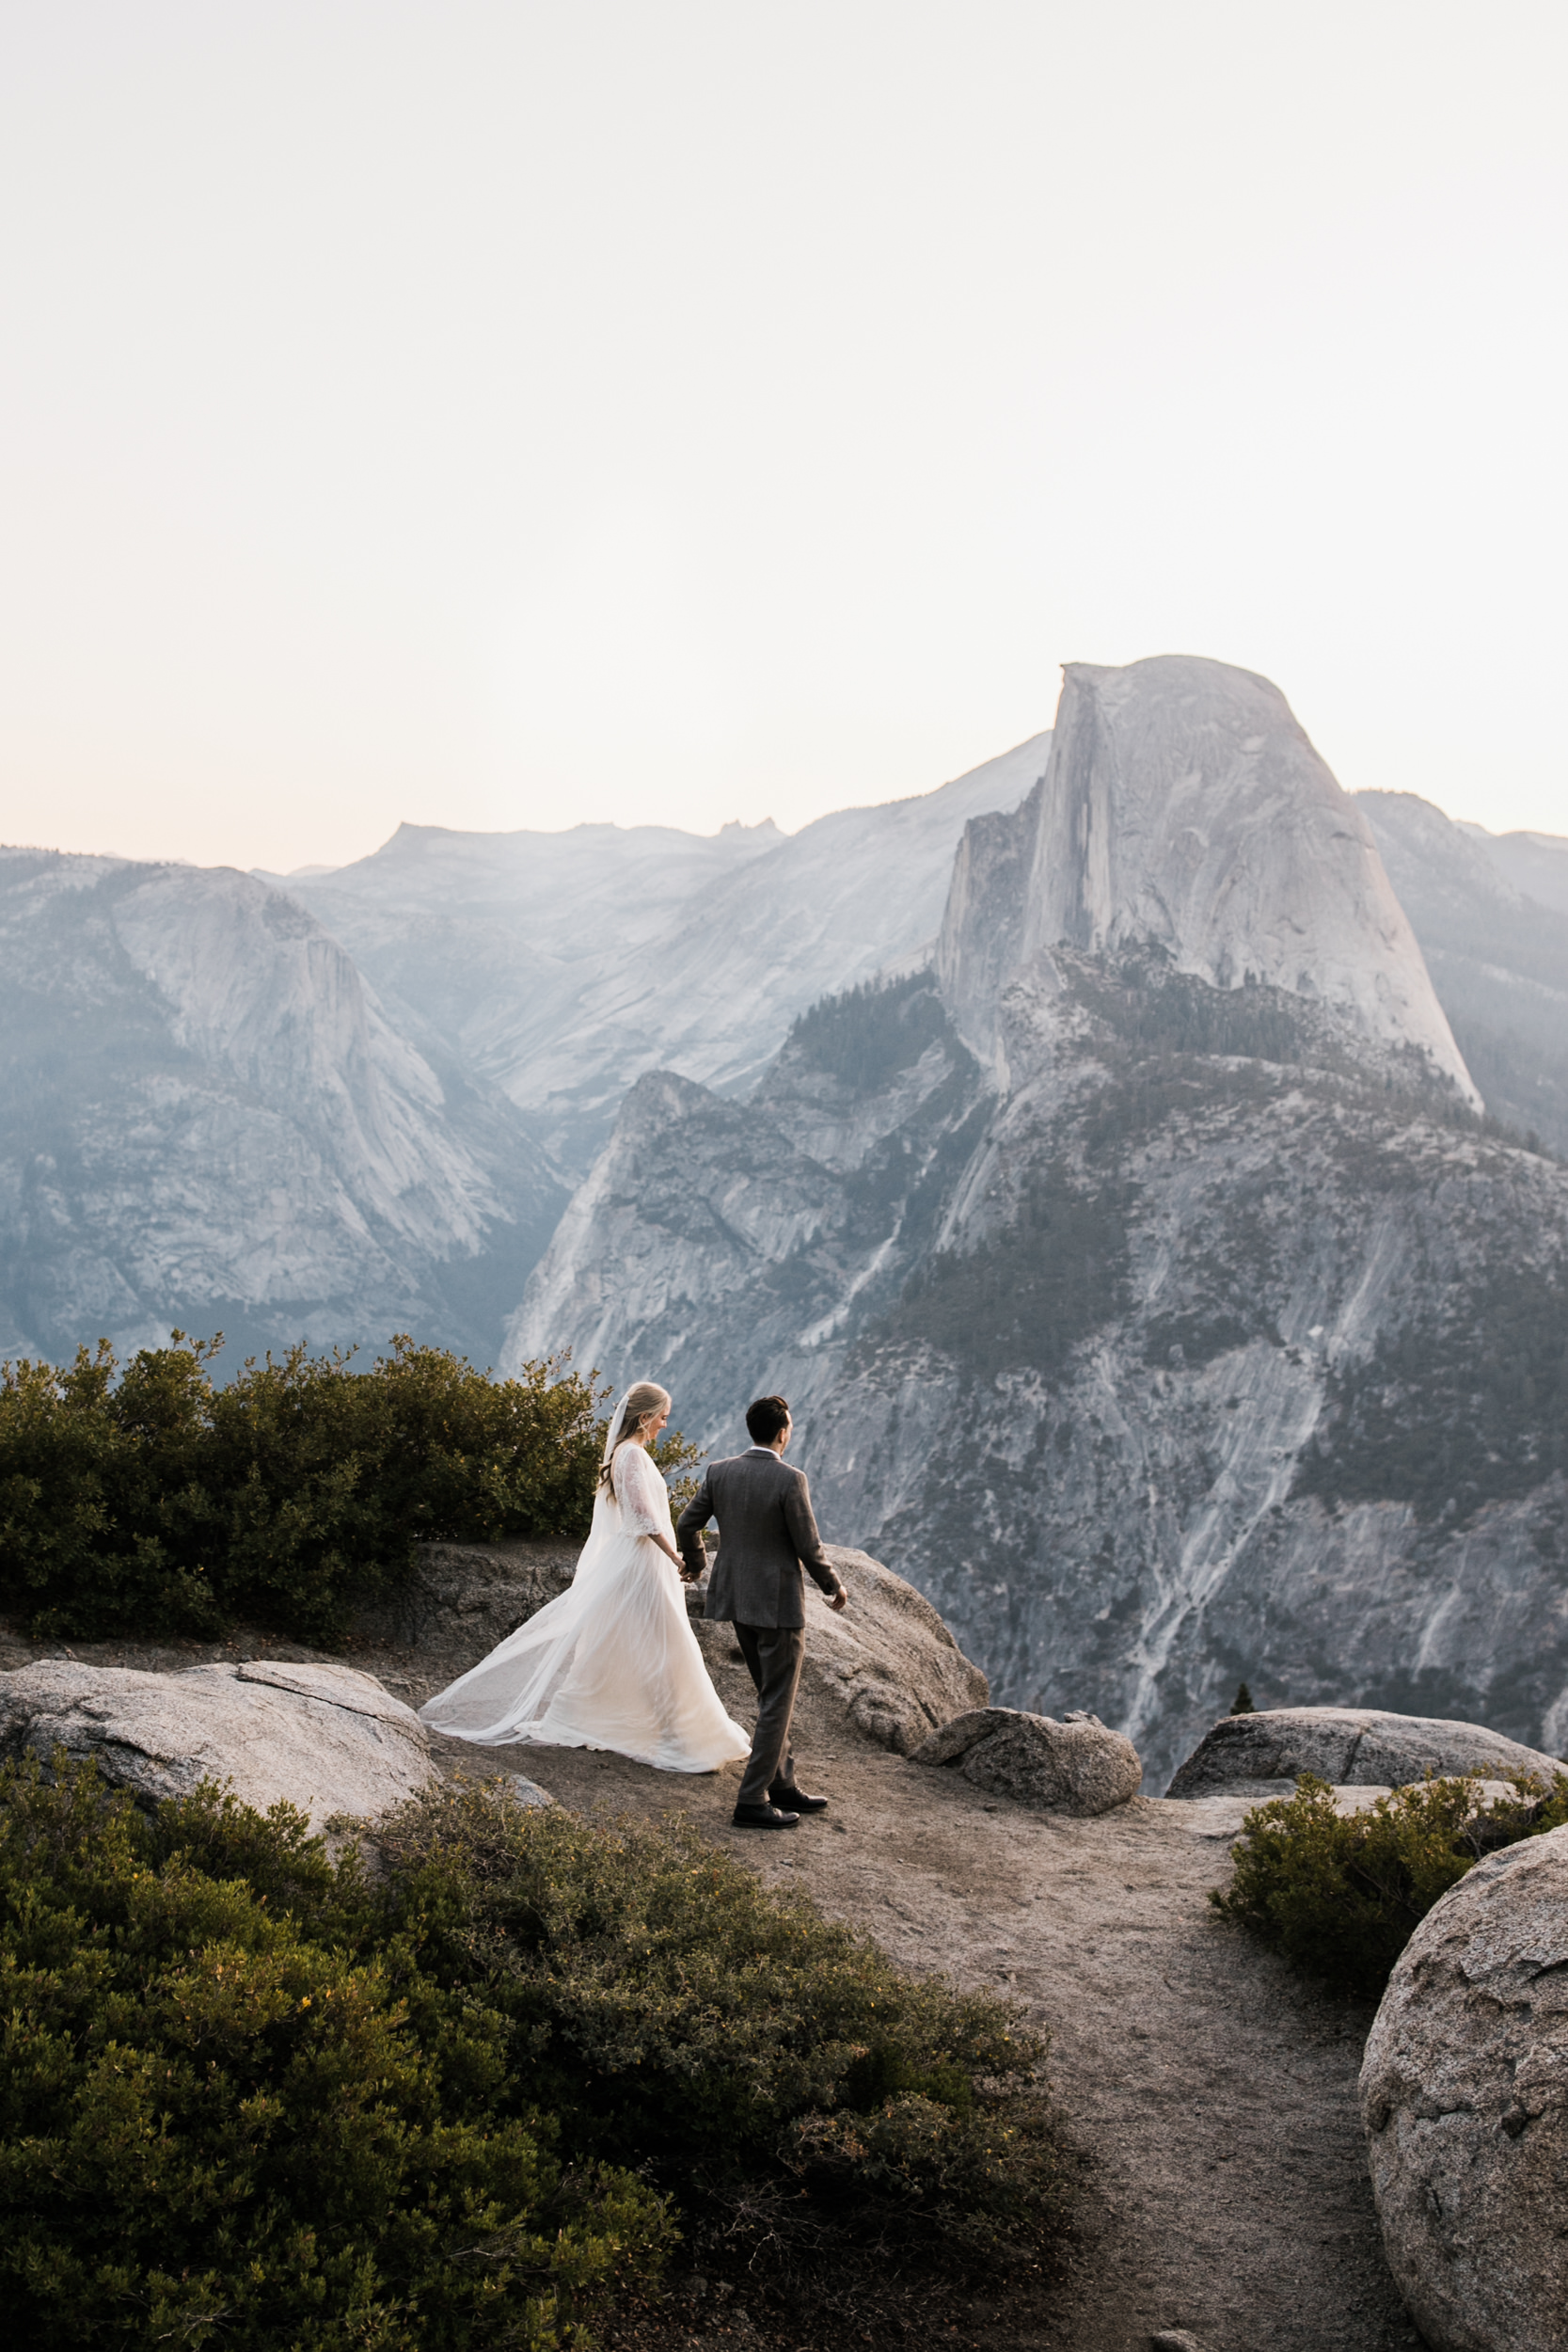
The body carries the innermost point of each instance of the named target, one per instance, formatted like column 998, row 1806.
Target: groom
column 767, row 1533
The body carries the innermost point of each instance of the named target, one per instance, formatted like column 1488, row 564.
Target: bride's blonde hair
column 645, row 1401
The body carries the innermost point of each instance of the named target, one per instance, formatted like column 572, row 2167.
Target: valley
column 1136, row 1160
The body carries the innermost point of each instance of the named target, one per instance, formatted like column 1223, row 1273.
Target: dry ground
column 1213, row 2096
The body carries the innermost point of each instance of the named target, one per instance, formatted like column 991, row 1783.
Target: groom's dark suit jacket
column 767, row 1535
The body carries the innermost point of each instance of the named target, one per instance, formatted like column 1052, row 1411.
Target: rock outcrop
column 1464, row 2098
column 526, row 1792
column 1075, row 1766
column 1348, row 1747
column 888, row 1659
column 325, row 1739
column 1184, row 808
column 475, row 1593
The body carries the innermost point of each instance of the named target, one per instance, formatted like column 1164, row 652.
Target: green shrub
column 464, row 2099
column 1338, row 1895
column 753, row 2054
column 158, row 1501
column 234, row 2106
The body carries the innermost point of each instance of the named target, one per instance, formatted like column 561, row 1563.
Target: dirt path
column 1217, row 2097
column 1214, row 2094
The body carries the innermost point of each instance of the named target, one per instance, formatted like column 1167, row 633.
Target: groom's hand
column 840, row 1600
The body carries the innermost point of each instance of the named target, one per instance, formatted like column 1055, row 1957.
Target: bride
column 614, row 1661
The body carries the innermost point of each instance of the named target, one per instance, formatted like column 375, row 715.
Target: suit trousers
column 774, row 1656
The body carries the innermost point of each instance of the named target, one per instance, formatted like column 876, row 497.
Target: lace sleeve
column 643, row 1497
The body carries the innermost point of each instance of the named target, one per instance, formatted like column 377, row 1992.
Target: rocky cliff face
column 209, row 1116
column 1184, row 808
column 485, row 944
column 561, row 966
column 207, row 1119
column 1150, row 1292
column 1498, row 956
column 713, row 1235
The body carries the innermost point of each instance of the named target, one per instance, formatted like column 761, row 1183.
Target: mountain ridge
column 696, row 949
column 207, row 1118
column 424, row 1194
column 1497, row 956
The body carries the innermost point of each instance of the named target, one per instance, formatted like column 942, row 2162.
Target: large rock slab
column 889, row 1658
column 1465, row 2099
column 1183, row 804
column 1075, row 1766
column 325, row 1739
column 1350, row 1746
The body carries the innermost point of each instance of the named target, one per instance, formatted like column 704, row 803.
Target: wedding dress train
column 611, row 1663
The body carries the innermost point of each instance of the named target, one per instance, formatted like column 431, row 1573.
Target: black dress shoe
column 764, row 1816
column 796, row 1801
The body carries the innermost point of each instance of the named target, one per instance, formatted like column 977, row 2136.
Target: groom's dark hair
column 764, row 1419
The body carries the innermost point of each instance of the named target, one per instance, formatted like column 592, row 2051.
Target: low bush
column 1338, row 1895
column 772, row 2071
column 151, row 1499
column 235, row 2105
column 466, row 2097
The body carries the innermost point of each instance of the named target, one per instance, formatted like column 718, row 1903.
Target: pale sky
column 501, row 415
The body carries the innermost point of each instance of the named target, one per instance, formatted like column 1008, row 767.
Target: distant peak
column 1183, row 806
column 767, row 827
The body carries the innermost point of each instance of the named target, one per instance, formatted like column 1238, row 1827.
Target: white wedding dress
column 614, row 1661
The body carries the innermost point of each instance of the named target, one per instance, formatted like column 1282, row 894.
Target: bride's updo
column 645, row 1401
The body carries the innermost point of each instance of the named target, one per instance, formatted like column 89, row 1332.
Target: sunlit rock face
column 207, row 1120
column 1165, row 1326
column 1184, row 808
